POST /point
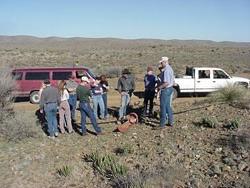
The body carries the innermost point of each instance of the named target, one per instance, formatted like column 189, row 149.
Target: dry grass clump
column 19, row 126
column 233, row 95
column 7, row 85
column 13, row 126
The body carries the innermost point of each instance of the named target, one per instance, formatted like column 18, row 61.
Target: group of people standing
column 65, row 97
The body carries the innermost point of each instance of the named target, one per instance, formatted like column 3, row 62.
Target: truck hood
column 240, row 79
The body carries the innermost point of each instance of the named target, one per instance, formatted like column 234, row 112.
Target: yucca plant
column 65, row 171
column 106, row 165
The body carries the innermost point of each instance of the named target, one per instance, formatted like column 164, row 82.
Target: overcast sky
column 218, row 20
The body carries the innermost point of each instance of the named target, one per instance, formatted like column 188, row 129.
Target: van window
column 80, row 74
column 61, row 75
column 37, row 75
column 17, row 75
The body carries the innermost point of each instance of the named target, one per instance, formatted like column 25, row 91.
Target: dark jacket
column 126, row 84
column 49, row 95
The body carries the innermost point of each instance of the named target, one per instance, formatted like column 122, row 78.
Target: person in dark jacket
column 125, row 86
column 150, row 81
column 49, row 101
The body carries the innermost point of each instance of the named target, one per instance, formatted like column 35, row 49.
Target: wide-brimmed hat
column 164, row 59
column 85, row 79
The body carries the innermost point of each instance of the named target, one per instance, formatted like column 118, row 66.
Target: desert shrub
column 153, row 176
column 124, row 150
column 19, row 126
column 113, row 72
column 110, row 72
column 106, row 165
column 135, row 179
column 13, row 126
column 208, row 122
column 65, row 171
column 231, row 94
column 7, row 85
column 232, row 124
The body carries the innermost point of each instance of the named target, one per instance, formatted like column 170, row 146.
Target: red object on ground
column 132, row 119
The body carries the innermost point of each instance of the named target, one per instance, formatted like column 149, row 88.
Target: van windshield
column 91, row 73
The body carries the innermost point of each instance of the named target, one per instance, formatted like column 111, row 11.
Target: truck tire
column 34, row 97
column 175, row 94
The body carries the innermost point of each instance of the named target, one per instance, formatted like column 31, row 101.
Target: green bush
column 209, row 122
column 233, row 124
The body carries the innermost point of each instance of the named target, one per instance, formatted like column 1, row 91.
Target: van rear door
column 18, row 76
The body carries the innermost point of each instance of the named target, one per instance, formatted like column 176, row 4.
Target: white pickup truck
column 205, row 80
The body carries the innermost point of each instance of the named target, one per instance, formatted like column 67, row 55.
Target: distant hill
column 85, row 43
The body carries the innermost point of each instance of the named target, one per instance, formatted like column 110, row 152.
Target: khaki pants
column 64, row 114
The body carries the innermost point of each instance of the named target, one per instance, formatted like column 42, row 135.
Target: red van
column 29, row 80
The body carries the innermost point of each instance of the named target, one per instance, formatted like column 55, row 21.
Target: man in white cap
column 166, row 88
column 83, row 94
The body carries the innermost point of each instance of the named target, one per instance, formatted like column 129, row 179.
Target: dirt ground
column 191, row 156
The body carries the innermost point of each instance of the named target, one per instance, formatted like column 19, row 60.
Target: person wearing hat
column 49, row 101
column 71, row 86
column 83, row 94
column 166, row 89
column 150, row 81
column 125, row 87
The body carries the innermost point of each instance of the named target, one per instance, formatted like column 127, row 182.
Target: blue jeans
column 50, row 110
column 124, row 104
column 165, row 106
column 86, row 110
column 72, row 103
column 105, row 101
column 97, row 100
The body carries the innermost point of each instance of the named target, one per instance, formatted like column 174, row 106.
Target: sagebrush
column 13, row 126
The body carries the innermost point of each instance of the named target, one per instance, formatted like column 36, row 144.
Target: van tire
column 34, row 97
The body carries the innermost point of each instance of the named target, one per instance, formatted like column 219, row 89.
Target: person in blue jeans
column 49, row 101
column 125, row 86
column 83, row 94
column 105, row 87
column 71, row 86
column 97, row 92
column 166, row 90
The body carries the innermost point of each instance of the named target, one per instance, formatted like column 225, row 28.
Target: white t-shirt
column 64, row 95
